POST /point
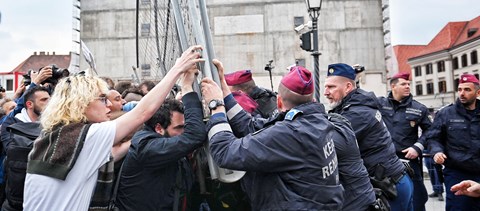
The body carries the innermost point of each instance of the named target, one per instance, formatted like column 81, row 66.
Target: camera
column 57, row 73
column 27, row 80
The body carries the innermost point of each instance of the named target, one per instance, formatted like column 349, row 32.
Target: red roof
column 403, row 53
column 471, row 25
column 36, row 61
column 452, row 35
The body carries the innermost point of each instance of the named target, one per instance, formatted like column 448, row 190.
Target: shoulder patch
column 292, row 113
column 378, row 116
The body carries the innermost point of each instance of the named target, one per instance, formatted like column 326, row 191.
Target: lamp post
column 314, row 7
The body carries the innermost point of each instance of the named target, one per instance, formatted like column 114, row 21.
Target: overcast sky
column 418, row 21
column 32, row 25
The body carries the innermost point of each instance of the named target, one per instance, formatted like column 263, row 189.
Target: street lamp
column 314, row 7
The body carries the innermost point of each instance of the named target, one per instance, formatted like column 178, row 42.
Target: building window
column 455, row 83
column 455, row 63
column 418, row 70
column 441, row 66
column 145, row 2
column 429, row 68
column 474, row 57
column 9, row 85
column 464, row 60
column 145, row 29
column 298, row 20
column 442, row 86
column 419, row 89
column 429, row 88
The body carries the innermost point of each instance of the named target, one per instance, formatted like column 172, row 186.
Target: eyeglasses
column 103, row 99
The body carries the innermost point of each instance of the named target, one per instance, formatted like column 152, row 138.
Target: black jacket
column 361, row 108
column 358, row 193
column 150, row 170
column 291, row 164
column 403, row 120
column 457, row 134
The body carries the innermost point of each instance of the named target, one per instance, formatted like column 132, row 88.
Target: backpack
column 22, row 136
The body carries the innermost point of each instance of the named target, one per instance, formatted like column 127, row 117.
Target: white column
column 435, row 78
column 449, row 75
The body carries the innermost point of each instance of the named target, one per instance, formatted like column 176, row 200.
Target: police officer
column 454, row 140
column 359, row 194
column 361, row 108
column 291, row 164
column 403, row 116
column 242, row 81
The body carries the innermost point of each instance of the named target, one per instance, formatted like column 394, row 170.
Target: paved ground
column 433, row 204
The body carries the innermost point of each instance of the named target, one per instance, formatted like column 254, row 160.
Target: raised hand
column 188, row 79
column 39, row 76
column 189, row 59
column 221, row 74
column 210, row 90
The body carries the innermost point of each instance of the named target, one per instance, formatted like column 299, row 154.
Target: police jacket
column 402, row 120
column 291, row 164
column 266, row 100
column 358, row 193
column 361, row 108
column 457, row 135
column 155, row 165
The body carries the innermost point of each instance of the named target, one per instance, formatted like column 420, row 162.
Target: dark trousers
column 420, row 195
column 435, row 173
column 459, row 203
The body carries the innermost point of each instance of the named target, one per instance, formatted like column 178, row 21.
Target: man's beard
column 165, row 134
column 37, row 110
column 468, row 103
column 334, row 104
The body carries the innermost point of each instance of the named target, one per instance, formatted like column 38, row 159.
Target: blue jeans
column 459, row 203
column 435, row 173
column 404, row 200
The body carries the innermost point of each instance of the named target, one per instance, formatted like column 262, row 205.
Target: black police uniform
column 403, row 120
column 361, row 108
column 358, row 193
column 456, row 133
column 290, row 164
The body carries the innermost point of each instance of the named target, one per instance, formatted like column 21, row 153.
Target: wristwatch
column 213, row 104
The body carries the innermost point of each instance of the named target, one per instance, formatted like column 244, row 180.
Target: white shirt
column 44, row 193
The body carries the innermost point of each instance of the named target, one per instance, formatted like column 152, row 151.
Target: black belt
column 396, row 178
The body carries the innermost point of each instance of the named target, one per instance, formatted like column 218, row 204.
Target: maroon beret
column 238, row 77
column 404, row 75
column 245, row 101
column 298, row 80
column 468, row 78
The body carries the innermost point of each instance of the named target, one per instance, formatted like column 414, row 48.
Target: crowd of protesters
column 89, row 143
